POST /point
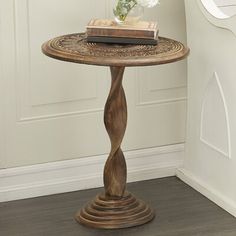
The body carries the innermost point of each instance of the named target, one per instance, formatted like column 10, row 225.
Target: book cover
column 120, row 40
column 109, row 28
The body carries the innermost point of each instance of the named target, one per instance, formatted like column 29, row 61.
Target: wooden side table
column 115, row 208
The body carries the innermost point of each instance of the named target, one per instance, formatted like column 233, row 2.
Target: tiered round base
column 105, row 213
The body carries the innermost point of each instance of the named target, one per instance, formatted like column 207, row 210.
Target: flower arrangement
column 123, row 7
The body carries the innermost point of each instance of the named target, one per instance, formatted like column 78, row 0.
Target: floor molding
column 207, row 191
column 84, row 173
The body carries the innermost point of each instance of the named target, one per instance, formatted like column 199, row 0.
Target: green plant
column 123, row 8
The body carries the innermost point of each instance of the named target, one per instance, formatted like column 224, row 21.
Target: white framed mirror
column 228, row 7
column 221, row 13
column 221, row 9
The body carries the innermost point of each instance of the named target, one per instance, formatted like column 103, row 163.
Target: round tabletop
column 74, row 48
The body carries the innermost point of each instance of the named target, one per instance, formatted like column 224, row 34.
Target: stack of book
column 108, row 31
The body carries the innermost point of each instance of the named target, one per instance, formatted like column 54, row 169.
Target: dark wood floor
column 180, row 211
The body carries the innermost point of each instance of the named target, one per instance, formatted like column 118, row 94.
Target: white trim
column 2, row 90
column 206, row 190
column 6, row 59
column 163, row 101
column 85, row 173
column 204, row 140
column 220, row 21
column 213, row 9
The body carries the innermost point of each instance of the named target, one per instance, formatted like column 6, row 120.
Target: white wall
column 53, row 110
column 210, row 163
column 52, row 137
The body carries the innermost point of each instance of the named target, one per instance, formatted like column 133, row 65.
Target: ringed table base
column 115, row 207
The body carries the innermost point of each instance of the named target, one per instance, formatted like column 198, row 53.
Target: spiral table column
column 115, row 208
column 115, row 119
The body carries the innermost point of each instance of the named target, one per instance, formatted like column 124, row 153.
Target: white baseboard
column 206, row 190
column 85, row 173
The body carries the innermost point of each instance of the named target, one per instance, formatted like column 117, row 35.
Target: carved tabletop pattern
column 75, row 48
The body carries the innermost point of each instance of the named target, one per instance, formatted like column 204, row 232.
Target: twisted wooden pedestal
column 115, row 208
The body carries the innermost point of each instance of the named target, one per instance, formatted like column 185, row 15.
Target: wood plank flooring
column 180, row 211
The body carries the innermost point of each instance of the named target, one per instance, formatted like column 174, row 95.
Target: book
column 109, row 28
column 120, row 40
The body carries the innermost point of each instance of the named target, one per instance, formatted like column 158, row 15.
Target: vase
column 127, row 12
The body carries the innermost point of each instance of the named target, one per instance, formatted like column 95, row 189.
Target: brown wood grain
column 116, row 208
column 74, row 48
column 181, row 211
column 115, row 119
